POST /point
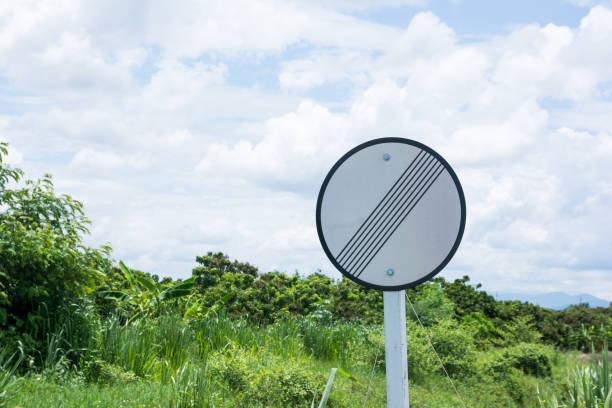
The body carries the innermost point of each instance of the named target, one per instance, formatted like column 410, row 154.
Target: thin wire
column 371, row 375
column 435, row 352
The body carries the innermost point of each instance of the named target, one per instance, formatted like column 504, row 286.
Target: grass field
column 225, row 362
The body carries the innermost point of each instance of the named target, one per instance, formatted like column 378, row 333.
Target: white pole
column 396, row 360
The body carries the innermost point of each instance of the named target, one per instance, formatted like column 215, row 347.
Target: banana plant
column 146, row 294
column 197, row 310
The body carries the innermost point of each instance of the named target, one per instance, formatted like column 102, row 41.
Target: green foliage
column 530, row 359
column 231, row 336
column 330, row 382
column 456, row 348
column 144, row 295
column 484, row 331
column 589, row 386
column 468, row 299
column 432, row 305
column 8, row 368
column 42, row 258
column 330, row 340
column 103, row 373
column 192, row 387
column 278, row 383
column 213, row 266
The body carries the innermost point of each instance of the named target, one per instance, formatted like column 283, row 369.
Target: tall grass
column 131, row 347
column 192, row 387
column 222, row 361
column 589, row 386
column 8, row 369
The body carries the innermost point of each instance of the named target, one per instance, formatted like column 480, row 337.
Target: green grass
column 225, row 362
column 588, row 385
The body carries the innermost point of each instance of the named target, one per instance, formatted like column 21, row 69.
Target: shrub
column 105, row 373
column 432, row 305
column 453, row 343
column 509, row 364
column 455, row 346
column 42, row 258
column 265, row 380
column 533, row 359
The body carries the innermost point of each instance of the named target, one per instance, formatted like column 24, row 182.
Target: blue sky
column 470, row 18
column 206, row 126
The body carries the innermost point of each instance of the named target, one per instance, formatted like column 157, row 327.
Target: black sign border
column 461, row 199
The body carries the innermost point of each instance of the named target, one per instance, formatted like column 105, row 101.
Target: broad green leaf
column 115, row 294
column 173, row 293
column 181, row 288
column 192, row 309
column 148, row 284
column 126, row 272
column 97, row 272
column 183, row 285
column 219, row 303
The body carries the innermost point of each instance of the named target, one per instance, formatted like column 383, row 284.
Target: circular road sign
column 390, row 214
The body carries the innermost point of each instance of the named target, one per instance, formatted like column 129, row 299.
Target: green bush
column 432, row 305
column 104, row 373
column 532, row 359
column 455, row 346
column 42, row 257
column 331, row 341
column 265, row 380
column 510, row 364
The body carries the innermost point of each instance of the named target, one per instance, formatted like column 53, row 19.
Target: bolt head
column 386, row 157
column 390, row 272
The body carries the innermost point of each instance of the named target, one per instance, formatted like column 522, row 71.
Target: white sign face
column 391, row 214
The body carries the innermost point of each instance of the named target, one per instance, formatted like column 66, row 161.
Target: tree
column 432, row 305
column 42, row 258
column 467, row 298
column 212, row 266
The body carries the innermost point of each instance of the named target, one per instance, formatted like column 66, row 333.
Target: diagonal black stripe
column 400, row 222
column 403, row 201
column 383, row 202
column 391, row 212
column 364, row 237
column 398, row 203
column 390, row 228
column 415, row 173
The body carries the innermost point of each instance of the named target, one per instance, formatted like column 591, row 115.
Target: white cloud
column 14, row 157
column 530, row 207
column 104, row 161
column 263, row 26
column 144, row 113
column 294, row 149
column 590, row 3
column 176, row 86
column 360, row 5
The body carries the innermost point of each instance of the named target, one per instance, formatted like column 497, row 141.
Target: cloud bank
column 188, row 129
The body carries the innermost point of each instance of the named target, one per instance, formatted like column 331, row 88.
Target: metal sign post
column 391, row 215
column 396, row 361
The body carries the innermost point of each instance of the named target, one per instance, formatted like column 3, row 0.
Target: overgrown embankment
column 77, row 329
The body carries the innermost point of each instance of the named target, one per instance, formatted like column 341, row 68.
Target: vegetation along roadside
column 78, row 328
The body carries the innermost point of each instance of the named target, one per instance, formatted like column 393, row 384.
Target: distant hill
column 554, row 300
